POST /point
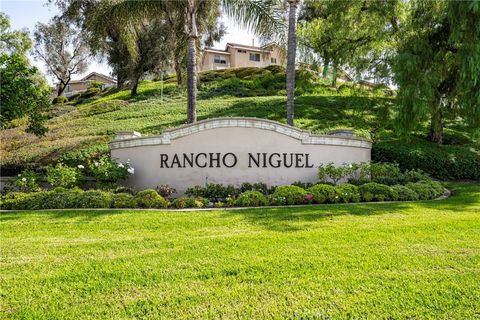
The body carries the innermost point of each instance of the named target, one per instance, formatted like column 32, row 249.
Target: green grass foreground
column 389, row 260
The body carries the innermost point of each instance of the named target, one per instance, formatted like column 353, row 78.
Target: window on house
column 273, row 60
column 68, row 88
column 219, row 59
column 242, row 51
column 254, row 56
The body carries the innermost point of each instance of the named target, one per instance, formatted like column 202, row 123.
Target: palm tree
column 291, row 52
column 197, row 17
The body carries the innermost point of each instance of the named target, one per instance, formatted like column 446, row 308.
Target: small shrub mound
column 189, row 202
column 322, row 193
column 373, row 191
column 95, row 199
column 346, row 193
column 290, row 194
column 123, row 200
column 251, row 199
column 60, row 99
column 150, row 199
column 405, row 193
column 426, row 190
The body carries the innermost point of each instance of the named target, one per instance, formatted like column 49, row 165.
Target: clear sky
column 26, row 13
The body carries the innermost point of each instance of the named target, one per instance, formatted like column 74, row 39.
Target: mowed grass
column 390, row 260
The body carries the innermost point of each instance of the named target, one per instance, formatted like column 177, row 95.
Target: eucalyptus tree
column 63, row 50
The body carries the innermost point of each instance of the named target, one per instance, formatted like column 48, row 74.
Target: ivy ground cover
column 383, row 260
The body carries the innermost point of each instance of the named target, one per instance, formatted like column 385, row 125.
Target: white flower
column 19, row 175
column 96, row 164
column 120, row 165
column 80, row 166
column 24, row 179
column 336, row 197
column 350, row 165
column 131, row 170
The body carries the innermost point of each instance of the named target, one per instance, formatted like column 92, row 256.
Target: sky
column 26, row 13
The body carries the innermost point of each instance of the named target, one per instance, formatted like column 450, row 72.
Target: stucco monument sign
column 233, row 151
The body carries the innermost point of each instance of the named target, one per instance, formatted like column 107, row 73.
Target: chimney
column 253, row 42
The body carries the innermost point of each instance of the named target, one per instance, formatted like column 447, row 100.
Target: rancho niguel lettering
column 230, row 160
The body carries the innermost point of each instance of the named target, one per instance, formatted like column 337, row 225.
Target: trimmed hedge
column 150, row 199
column 61, row 198
column 290, row 194
column 373, row 191
column 440, row 161
column 251, row 199
column 322, row 193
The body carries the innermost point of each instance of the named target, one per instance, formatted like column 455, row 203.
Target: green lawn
column 390, row 260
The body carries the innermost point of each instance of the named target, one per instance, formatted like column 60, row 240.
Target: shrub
column 304, row 185
column 150, row 199
column 123, row 200
column 258, row 186
column 61, row 198
column 27, row 181
column 322, row 193
column 60, row 99
column 213, row 192
column 373, row 191
column 165, row 191
column 124, row 189
column 23, row 201
column 62, row 176
column 107, row 171
column 251, row 199
column 89, row 154
column 405, row 193
column 385, row 173
column 427, row 189
column 440, row 161
column 347, row 193
column 331, row 172
column 292, row 194
column 89, row 93
column 95, row 199
column 182, row 202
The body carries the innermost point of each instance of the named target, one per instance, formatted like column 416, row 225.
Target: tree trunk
column 325, row 70
column 334, row 77
column 62, row 86
column 133, row 91
column 191, row 63
column 178, row 72
column 291, row 52
column 436, row 124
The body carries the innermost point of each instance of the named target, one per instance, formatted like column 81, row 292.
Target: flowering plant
column 107, row 171
column 63, row 176
column 27, row 181
column 308, row 199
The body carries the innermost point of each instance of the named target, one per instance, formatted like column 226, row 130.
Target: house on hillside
column 76, row 86
column 239, row 55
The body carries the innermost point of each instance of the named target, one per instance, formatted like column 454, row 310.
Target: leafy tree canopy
column 23, row 90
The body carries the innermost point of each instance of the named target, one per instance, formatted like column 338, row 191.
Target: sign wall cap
column 166, row 137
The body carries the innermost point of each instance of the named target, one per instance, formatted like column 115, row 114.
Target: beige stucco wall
column 238, row 136
column 209, row 64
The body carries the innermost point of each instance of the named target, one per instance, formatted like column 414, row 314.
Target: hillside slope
column 94, row 120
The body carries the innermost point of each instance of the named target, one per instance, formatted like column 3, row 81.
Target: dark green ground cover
column 386, row 260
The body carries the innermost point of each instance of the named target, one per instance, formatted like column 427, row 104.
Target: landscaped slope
column 380, row 261
column 96, row 121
